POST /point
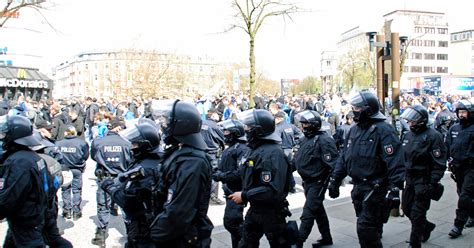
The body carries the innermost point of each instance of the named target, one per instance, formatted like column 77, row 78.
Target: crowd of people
column 163, row 161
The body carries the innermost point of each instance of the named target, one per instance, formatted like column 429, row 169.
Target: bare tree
column 250, row 15
column 11, row 9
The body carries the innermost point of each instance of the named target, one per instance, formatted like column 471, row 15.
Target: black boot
column 66, row 214
column 76, row 215
column 455, row 232
column 323, row 242
column 100, row 237
column 428, row 229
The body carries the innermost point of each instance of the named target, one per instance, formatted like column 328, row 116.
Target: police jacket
column 316, row 157
column 186, row 183
column 289, row 134
column 265, row 175
column 112, row 153
column 24, row 191
column 75, row 152
column 460, row 142
column 425, row 155
column 135, row 198
column 372, row 154
column 212, row 135
column 229, row 166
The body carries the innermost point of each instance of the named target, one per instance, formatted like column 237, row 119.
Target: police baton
column 325, row 185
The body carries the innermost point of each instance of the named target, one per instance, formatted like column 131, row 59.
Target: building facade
column 461, row 52
column 127, row 73
column 328, row 69
column 427, row 50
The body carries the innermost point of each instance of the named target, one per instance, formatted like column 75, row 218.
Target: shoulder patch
column 437, row 153
column 266, row 176
column 2, row 183
column 170, row 196
column 327, row 157
column 388, row 149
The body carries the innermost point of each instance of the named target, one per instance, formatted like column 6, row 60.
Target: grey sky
column 284, row 50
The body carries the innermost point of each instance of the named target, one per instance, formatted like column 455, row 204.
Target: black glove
column 393, row 198
column 333, row 189
column 109, row 184
column 218, row 175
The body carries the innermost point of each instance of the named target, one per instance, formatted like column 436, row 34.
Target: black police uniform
column 460, row 142
column 315, row 161
column 75, row 152
column 425, row 163
column 444, row 120
column 373, row 158
column 265, row 173
column 214, row 139
column 113, row 156
column 135, row 199
column 185, row 184
column 229, row 174
column 24, row 189
column 289, row 134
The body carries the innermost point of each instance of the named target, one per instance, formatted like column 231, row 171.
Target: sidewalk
column 343, row 225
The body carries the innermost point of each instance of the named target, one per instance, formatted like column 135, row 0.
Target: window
column 442, row 69
column 442, row 31
column 328, row 63
column 416, row 69
column 86, row 66
column 417, row 43
column 442, row 43
column 429, row 43
column 429, row 30
column 405, row 68
column 416, row 55
column 418, row 30
column 442, row 57
column 428, row 69
column 429, row 56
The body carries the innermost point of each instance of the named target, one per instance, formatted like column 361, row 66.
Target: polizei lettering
column 68, row 149
column 112, row 149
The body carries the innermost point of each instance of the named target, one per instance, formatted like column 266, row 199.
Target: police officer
column 113, row 156
column 214, row 139
column 461, row 156
column 444, row 120
column 425, row 162
column 315, row 161
column 373, row 158
column 185, row 180
column 134, row 194
column 230, row 176
column 289, row 134
column 265, row 182
column 24, row 183
column 75, row 153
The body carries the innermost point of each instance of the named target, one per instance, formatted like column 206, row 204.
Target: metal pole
column 395, row 39
column 380, row 72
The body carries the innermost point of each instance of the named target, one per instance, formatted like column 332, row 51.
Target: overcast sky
column 195, row 27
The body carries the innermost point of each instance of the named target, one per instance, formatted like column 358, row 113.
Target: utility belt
column 369, row 182
column 417, row 173
column 281, row 207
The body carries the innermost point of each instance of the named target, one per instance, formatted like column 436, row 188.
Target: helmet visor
column 162, row 110
column 411, row 115
column 130, row 133
column 227, row 124
column 247, row 117
column 304, row 116
column 357, row 100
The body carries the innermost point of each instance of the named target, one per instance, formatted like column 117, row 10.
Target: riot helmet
column 469, row 107
column 259, row 125
column 180, row 122
column 17, row 129
column 417, row 118
column 143, row 136
column 233, row 131
column 365, row 107
column 310, row 122
column 43, row 141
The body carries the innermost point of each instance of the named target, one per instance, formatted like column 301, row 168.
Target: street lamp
column 400, row 28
